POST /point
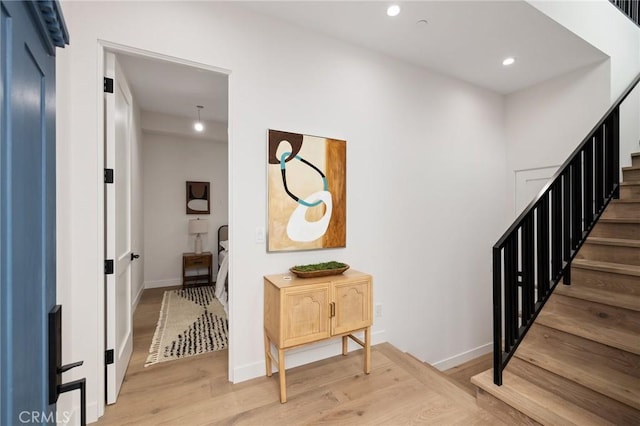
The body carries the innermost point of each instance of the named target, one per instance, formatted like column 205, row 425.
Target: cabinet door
column 353, row 302
column 305, row 314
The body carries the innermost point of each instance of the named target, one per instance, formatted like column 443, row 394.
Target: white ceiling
column 465, row 39
column 176, row 89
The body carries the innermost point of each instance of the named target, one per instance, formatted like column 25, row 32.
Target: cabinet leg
column 345, row 345
column 283, row 379
column 367, row 350
column 267, row 354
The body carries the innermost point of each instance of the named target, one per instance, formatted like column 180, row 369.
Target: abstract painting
column 198, row 198
column 307, row 192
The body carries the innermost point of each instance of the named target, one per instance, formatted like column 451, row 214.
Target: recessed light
column 393, row 10
column 508, row 61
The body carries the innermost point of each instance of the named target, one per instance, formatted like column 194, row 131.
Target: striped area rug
column 192, row 322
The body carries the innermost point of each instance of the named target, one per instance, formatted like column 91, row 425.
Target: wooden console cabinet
column 305, row 310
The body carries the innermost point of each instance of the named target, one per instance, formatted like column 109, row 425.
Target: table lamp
column 198, row 226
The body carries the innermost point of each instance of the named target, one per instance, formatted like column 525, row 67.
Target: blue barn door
column 29, row 32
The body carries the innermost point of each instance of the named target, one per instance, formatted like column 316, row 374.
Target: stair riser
column 583, row 397
column 618, row 283
column 604, row 253
column 502, row 410
column 631, row 175
column 629, row 191
column 629, row 231
column 635, row 161
column 622, row 210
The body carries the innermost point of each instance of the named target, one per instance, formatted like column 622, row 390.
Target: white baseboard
column 455, row 360
column 304, row 355
column 162, row 283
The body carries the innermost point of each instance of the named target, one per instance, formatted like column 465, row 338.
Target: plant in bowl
column 319, row 269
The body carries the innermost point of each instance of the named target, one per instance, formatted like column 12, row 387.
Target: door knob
column 134, row 256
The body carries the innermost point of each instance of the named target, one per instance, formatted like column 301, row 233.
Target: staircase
column 579, row 363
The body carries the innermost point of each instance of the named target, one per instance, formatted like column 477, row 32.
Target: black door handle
column 134, row 256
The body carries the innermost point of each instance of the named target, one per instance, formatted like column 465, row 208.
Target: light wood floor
column 195, row 391
column 463, row 373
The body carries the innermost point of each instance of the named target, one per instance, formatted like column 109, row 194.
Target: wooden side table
column 298, row 311
column 191, row 261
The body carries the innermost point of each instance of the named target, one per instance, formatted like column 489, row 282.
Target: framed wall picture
column 307, row 185
column 198, row 198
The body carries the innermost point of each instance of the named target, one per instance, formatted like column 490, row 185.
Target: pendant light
column 198, row 126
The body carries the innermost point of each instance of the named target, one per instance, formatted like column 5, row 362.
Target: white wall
column 425, row 159
column 601, row 24
column 170, row 161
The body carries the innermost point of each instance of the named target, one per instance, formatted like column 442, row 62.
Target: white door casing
column 118, row 122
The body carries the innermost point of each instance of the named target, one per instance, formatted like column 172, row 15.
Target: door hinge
column 108, row 357
column 108, row 175
column 108, row 85
column 108, row 267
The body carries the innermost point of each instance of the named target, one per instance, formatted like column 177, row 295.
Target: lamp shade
column 198, row 226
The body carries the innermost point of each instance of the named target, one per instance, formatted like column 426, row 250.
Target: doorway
column 167, row 152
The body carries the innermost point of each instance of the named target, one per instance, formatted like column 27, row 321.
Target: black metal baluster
column 599, row 161
column 588, row 184
column 497, row 316
column 509, row 288
column 615, row 151
column 566, row 223
column 514, row 287
column 556, row 215
column 528, row 275
column 608, row 158
column 576, row 202
column 543, row 247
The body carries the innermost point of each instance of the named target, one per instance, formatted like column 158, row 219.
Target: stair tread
column 631, row 168
column 630, row 183
column 606, row 370
column 625, row 200
column 601, row 295
column 609, row 325
column 616, row 268
column 624, row 242
column 619, row 219
column 535, row 402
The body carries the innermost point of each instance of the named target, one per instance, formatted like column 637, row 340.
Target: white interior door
column 118, row 118
column 529, row 183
